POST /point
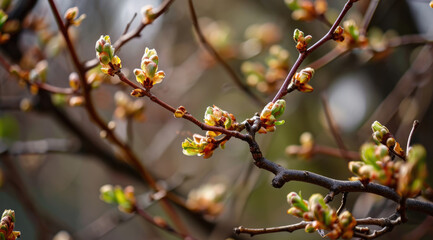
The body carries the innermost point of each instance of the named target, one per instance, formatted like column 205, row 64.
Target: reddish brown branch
column 328, row 36
column 132, row 159
column 126, row 37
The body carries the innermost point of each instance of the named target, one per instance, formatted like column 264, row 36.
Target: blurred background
column 53, row 160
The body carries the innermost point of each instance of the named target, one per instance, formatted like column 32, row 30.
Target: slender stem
column 283, row 90
column 132, row 159
column 218, row 57
column 343, row 202
column 126, row 37
column 187, row 116
column 409, row 139
column 258, row 231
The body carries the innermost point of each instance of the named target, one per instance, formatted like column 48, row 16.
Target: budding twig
column 283, row 90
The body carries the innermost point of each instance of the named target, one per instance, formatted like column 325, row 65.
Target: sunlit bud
column 354, row 166
column 71, row 16
column 305, row 75
column 297, row 201
column 278, row 108
column 75, row 101
column 295, row 212
column 138, row 92
column 431, row 4
column 180, row 112
column 346, row 219
column 298, row 35
column 338, row 34
column 390, row 142
column 74, row 81
column 148, row 14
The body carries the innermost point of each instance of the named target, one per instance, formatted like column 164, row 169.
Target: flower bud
column 180, row 112
column 296, row 201
column 138, row 92
column 71, row 14
column 148, row 14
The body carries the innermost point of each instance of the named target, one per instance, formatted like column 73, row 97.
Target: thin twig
column 258, row 231
column 283, row 90
column 218, row 57
column 132, row 159
column 131, row 35
column 343, row 203
column 409, row 139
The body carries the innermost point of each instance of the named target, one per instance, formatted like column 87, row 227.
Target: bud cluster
column 301, row 40
column 7, row 224
column 149, row 75
column 111, row 64
column 215, row 116
column 269, row 115
column 321, row 216
column 382, row 135
column 300, row 80
column 124, row 198
column 306, row 10
column 407, row 177
column 71, row 17
column 376, row 165
column 199, row 145
column 205, row 145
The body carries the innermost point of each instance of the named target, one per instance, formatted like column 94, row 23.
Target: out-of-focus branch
column 334, row 129
column 217, row 56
